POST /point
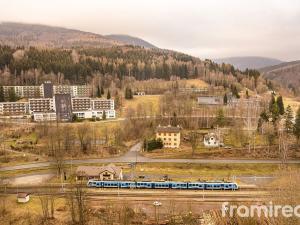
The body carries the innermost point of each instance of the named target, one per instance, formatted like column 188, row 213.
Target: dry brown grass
column 293, row 102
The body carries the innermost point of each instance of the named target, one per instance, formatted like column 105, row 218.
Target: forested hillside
column 20, row 34
column 287, row 74
column 81, row 65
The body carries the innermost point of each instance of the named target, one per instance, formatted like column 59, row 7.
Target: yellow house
column 169, row 135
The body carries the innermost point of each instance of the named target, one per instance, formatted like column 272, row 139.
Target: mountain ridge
column 131, row 40
column 39, row 35
column 288, row 74
column 250, row 62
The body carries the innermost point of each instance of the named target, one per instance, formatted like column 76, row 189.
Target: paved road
column 133, row 156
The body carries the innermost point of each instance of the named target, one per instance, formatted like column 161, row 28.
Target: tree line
column 79, row 65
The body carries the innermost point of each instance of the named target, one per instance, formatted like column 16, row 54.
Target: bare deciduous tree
column 84, row 136
column 194, row 140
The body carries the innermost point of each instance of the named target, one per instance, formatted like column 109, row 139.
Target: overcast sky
column 208, row 29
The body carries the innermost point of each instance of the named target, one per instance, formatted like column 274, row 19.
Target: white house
column 23, row 197
column 211, row 140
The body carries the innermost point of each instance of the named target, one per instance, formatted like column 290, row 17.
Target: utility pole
column 248, row 125
column 218, row 133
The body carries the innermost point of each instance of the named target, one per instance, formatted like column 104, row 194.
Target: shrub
column 152, row 144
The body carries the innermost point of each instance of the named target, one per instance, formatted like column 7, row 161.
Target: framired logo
column 269, row 210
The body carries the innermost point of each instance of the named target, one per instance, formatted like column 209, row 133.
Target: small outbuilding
column 23, row 197
column 110, row 172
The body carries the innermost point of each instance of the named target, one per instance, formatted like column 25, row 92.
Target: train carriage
column 213, row 186
column 127, row 184
column 164, row 185
column 92, row 183
column 196, row 186
column 230, row 186
column 144, row 184
column 110, row 184
column 178, row 185
column 161, row 185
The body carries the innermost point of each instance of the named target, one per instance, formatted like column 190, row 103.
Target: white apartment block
column 82, row 91
column 103, row 104
column 73, row 90
column 44, row 109
column 81, row 104
column 40, row 91
column 14, row 108
column 24, row 91
column 41, row 105
column 87, row 108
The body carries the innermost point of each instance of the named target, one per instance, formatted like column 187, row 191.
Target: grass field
column 294, row 103
column 148, row 103
column 180, row 171
column 207, row 171
column 185, row 152
column 30, row 212
column 194, row 83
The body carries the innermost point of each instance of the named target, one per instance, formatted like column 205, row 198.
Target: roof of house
column 168, row 129
column 22, row 195
column 96, row 170
column 210, row 100
column 210, row 135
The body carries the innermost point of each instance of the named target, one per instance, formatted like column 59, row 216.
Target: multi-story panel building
column 18, row 90
column 74, row 90
column 169, row 135
column 86, row 108
column 31, row 92
column 63, row 89
column 103, row 104
column 13, row 108
column 81, row 104
column 63, row 107
column 23, row 91
column 47, row 89
column 82, row 91
column 8, row 90
column 41, row 105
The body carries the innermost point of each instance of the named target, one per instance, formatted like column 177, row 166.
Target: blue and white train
column 164, row 185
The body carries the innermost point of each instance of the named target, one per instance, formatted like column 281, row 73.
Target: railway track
column 69, row 186
column 116, row 195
